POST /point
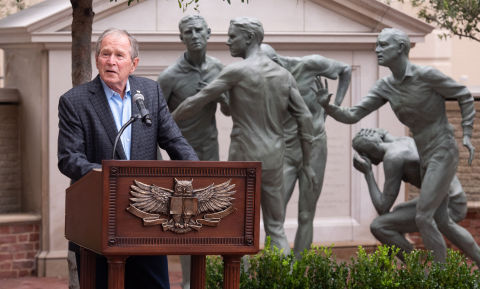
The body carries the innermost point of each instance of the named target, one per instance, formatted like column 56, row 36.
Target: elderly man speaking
column 91, row 114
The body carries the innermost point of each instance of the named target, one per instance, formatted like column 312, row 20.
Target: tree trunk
column 82, row 13
column 81, row 41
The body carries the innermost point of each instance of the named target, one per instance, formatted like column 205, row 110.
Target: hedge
column 318, row 268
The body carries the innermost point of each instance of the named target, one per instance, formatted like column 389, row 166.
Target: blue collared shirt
column 122, row 111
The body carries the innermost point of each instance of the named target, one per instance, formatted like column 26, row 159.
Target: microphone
column 138, row 98
column 117, row 138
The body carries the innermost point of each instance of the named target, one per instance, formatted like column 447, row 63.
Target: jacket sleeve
column 72, row 159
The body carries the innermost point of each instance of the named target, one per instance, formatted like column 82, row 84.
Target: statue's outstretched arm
column 194, row 104
column 348, row 115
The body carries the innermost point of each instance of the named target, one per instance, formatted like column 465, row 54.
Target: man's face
column 114, row 62
column 237, row 42
column 195, row 34
column 387, row 49
column 372, row 151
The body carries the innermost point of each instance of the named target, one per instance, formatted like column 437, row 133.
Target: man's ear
column 401, row 48
column 181, row 37
column 209, row 31
column 134, row 64
column 250, row 37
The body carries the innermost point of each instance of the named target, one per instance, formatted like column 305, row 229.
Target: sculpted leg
column 291, row 167
column 308, row 198
column 390, row 228
column 434, row 190
column 273, row 208
column 457, row 201
column 458, row 235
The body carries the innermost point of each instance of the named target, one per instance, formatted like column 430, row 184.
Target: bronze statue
column 417, row 96
column 304, row 69
column 192, row 71
column 262, row 95
column 401, row 162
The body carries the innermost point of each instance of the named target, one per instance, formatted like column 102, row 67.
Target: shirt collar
column 110, row 92
column 408, row 71
column 185, row 65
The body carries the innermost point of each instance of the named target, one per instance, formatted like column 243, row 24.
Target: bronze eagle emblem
column 182, row 205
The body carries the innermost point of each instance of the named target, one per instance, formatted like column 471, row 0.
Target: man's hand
column 323, row 97
column 224, row 104
column 185, row 110
column 310, row 174
column 471, row 149
column 201, row 84
column 362, row 163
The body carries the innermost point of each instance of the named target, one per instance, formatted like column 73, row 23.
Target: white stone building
column 37, row 41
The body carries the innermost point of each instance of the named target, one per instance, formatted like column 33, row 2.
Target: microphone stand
column 129, row 122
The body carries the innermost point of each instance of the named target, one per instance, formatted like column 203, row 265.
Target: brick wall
column 10, row 170
column 19, row 245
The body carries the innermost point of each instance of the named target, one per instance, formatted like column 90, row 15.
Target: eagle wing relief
column 215, row 201
column 182, row 206
column 149, row 202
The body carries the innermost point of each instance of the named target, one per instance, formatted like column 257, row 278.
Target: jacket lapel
column 137, row 126
column 104, row 113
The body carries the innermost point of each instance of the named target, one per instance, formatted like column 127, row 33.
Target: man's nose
column 111, row 59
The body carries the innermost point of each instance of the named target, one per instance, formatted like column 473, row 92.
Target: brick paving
column 58, row 283
column 61, row 283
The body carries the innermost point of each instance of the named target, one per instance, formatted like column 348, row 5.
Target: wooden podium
column 106, row 214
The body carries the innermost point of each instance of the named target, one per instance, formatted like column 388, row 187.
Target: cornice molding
column 54, row 28
column 171, row 40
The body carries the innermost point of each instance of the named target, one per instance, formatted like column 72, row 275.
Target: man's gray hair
column 188, row 18
column 249, row 25
column 134, row 50
column 399, row 36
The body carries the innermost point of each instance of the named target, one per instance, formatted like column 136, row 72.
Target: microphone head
column 138, row 96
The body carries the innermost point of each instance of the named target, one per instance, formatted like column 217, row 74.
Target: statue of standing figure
column 304, row 70
column 401, row 162
column 262, row 95
column 193, row 71
column 417, row 96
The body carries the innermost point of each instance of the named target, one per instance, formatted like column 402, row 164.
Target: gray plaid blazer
column 87, row 129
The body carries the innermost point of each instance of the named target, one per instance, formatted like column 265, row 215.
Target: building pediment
column 156, row 21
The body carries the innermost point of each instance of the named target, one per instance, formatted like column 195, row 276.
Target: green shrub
column 376, row 270
column 214, row 272
column 271, row 269
column 413, row 273
column 318, row 269
column 455, row 273
column 323, row 271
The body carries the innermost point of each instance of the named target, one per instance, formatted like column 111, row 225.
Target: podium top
column 166, row 207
